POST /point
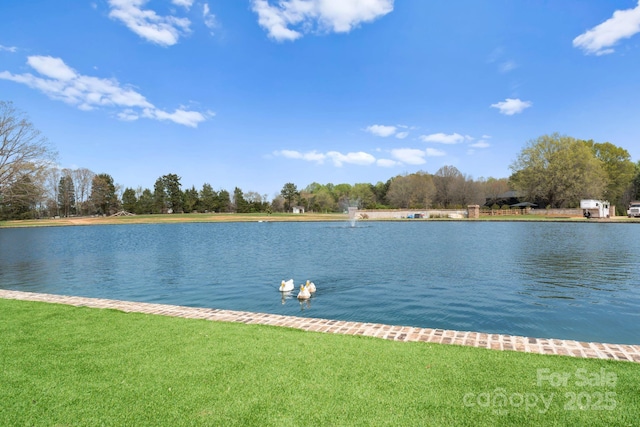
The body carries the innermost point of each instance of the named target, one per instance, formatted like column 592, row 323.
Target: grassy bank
column 276, row 217
column 63, row 365
column 173, row 218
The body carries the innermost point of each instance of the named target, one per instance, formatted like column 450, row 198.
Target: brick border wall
column 581, row 349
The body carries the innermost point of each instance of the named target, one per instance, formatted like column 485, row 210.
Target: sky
column 259, row 93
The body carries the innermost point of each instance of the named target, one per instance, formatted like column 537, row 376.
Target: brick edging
column 581, row 349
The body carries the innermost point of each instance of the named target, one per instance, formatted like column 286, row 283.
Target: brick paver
column 629, row 353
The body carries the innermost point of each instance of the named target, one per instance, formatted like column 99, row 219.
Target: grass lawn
column 275, row 217
column 63, row 365
column 175, row 218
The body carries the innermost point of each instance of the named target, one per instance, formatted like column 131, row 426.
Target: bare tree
column 278, row 203
column 24, row 152
column 253, row 197
column 82, row 179
column 495, row 189
column 467, row 192
column 423, row 189
column 411, row 191
column 399, row 194
column 52, row 179
column 445, row 180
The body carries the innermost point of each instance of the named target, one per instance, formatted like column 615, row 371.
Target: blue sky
column 258, row 93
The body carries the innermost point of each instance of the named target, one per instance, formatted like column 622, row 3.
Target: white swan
column 286, row 286
column 311, row 287
column 304, row 293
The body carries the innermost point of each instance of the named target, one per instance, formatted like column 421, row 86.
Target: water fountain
column 352, row 215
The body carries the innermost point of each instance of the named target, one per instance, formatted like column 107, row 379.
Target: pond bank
column 546, row 346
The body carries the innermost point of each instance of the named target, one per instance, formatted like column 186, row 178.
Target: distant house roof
column 506, row 198
column 511, row 194
column 523, row 205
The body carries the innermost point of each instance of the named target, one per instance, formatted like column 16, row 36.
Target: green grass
column 275, row 217
column 174, row 218
column 63, row 365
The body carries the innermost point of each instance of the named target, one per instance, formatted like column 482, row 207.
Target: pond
column 551, row 280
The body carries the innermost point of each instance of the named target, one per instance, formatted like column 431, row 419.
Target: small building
column 510, row 197
column 595, row 208
column 297, row 209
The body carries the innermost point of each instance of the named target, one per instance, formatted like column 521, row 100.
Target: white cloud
column 209, row 18
column 162, row 30
column 480, row 144
column 312, row 156
column 339, row 16
column 387, row 163
column 507, row 66
column 443, row 138
column 184, row 3
column 359, row 158
column 600, row 39
column 434, row 152
column 179, row 116
column 11, row 49
column 61, row 82
column 411, row 156
column 128, row 115
column 290, row 154
column 51, row 67
column 385, row 131
column 274, row 21
column 381, row 130
column 511, row 106
column 338, row 159
column 400, row 156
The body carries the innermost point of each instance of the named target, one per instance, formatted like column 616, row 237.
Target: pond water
column 557, row 280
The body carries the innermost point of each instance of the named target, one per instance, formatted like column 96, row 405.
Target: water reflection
column 305, row 304
column 285, row 296
column 571, row 271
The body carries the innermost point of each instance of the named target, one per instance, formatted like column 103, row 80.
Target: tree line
column 550, row 171
column 558, row 171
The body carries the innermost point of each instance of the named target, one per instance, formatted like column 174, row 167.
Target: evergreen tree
column 103, row 194
column 129, row 200
column 66, row 195
column 224, row 200
column 145, row 203
column 208, row 199
column 191, row 200
column 289, row 192
column 171, row 183
column 159, row 197
column 239, row 202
